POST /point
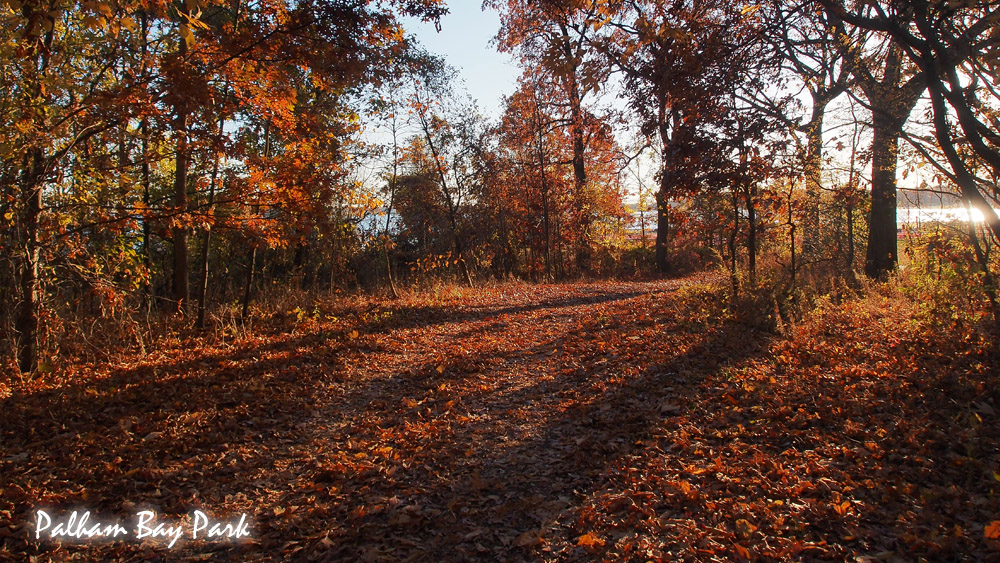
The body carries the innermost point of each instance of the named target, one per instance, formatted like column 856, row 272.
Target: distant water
column 905, row 216
column 913, row 216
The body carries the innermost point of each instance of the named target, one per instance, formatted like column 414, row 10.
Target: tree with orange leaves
column 553, row 37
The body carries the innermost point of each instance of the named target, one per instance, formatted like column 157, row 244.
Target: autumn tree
column 676, row 59
column 528, row 135
column 554, row 37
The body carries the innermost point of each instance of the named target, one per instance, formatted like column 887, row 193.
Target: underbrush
column 939, row 300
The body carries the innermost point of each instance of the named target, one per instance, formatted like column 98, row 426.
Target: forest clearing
column 602, row 420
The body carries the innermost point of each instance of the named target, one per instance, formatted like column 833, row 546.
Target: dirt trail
column 481, row 424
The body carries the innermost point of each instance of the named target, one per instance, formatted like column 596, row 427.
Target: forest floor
column 604, row 420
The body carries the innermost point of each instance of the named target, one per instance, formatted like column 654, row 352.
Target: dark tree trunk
column 206, row 244
column 32, row 176
column 147, row 260
column 662, row 230
column 249, row 283
column 662, row 254
column 388, row 271
column 891, row 103
column 583, row 204
column 850, row 238
column 882, row 249
column 733, row 235
column 463, row 266
column 26, row 318
column 546, row 226
column 751, row 235
column 791, row 244
column 983, row 259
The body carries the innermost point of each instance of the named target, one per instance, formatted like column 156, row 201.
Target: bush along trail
column 589, row 421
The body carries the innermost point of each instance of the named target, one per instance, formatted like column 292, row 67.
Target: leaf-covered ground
column 610, row 420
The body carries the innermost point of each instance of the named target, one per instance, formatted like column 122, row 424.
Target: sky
column 464, row 42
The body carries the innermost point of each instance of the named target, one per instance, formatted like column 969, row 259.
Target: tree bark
column 33, row 173
column 546, row 227
column 147, row 259
column 662, row 229
column 891, row 102
column 580, row 182
column 881, row 255
column 751, row 235
column 662, row 254
column 249, row 284
column 733, row 235
column 26, row 319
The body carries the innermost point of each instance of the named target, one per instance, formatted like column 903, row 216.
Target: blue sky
column 464, row 41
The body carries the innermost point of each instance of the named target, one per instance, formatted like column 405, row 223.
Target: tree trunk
column 662, row 230
column 733, row 235
column 26, row 319
column 580, row 194
column 33, row 173
column 751, row 236
column 545, row 200
column 989, row 282
column 891, row 104
column 791, row 243
column 850, row 238
column 463, row 266
column 882, row 248
column 388, row 212
column 583, row 205
column 452, row 205
column 147, row 260
column 253, row 252
column 249, row 284
column 666, row 185
column 206, row 243
column 388, row 271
